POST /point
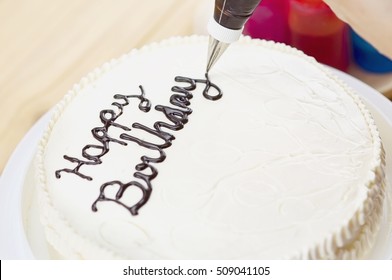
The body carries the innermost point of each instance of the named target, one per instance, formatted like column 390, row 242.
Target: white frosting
column 287, row 164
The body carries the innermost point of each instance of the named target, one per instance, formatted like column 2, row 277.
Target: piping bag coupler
column 225, row 27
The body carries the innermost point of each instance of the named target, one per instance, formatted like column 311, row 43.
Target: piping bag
column 225, row 27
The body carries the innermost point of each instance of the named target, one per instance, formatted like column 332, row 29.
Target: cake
column 268, row 157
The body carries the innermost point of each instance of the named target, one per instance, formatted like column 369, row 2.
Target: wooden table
column 48, row 45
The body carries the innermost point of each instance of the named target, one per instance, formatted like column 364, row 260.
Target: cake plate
column 22, row 237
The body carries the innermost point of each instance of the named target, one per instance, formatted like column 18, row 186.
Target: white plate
column 18, row 211
column 13, row 241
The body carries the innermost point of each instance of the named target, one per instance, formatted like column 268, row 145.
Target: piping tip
column 215, row 50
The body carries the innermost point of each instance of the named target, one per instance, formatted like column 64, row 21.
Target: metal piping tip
column 215, row 50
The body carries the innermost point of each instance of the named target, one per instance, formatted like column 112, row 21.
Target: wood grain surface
column 46, row 46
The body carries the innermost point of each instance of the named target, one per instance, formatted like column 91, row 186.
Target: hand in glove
column 372, row 19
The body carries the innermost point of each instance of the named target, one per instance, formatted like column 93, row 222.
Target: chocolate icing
column 177, row 117
column 108, row 118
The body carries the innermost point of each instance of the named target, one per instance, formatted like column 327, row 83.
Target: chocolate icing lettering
column 177, row 117
column 108, row 118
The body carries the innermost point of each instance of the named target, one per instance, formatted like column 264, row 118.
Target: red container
column 316, row 30
column 269, row 21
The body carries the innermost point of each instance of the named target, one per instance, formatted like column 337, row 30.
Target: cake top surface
column 276, row 164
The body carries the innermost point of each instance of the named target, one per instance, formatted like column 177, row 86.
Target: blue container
column 367, row 57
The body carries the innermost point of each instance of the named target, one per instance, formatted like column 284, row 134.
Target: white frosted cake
column 271, row 157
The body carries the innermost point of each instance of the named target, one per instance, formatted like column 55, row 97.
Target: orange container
column 316, row 30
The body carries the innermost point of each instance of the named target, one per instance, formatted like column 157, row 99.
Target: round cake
column 268, row 157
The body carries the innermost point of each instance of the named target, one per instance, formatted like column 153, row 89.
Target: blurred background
column 46, row 46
